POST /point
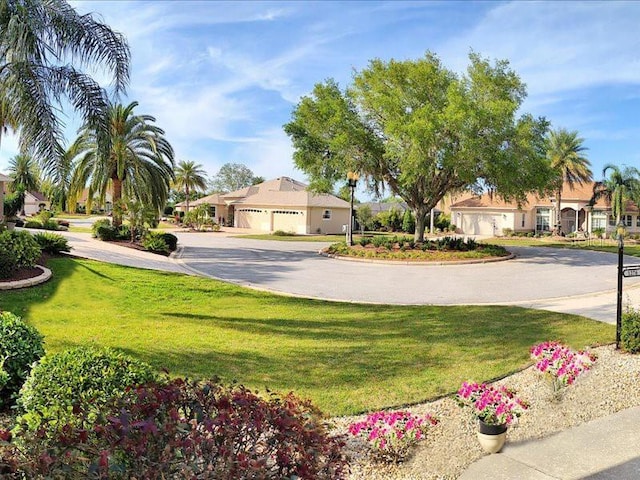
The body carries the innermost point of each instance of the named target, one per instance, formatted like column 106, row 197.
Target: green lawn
column 598, row 245
column 346, row 357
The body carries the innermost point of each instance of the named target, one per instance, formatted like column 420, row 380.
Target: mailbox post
column 620, row 273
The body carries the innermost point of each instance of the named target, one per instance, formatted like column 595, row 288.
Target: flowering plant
column 492, row 405
column 561, row 363
column 393, row 434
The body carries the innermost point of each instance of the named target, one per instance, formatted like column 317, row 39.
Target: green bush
column 442, row 222
column 84, row 377
column 408, row 222
column 282, row 233
column 33, row 224
column 52, row 242
column 171, row 240
column 154, row 242
column 98, row 224
column 20, row 347
column 22, row 246
column 630, row 334
column 8, row 264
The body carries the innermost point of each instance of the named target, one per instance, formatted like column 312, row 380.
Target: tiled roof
column 580, row 193
column 5, row 178
column 283, row 192
column 39, row 196
column 213, row 199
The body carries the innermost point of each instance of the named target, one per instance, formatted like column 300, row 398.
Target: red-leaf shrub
column 195, row 430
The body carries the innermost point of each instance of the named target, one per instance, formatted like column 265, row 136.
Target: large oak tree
column 422, row 131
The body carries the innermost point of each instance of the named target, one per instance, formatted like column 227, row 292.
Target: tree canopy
column 137, row 161
column 619, row 186
column 422, row 131
column 43, row 46
column 232, row 177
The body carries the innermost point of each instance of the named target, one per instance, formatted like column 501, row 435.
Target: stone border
column 420, row 263
column 28, row 282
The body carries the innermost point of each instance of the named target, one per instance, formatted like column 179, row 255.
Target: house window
column 543, row 219
column 598, row 219
column 612, row 220
column 212, row 211
column 627, row 220
column 522, row 224
column 638, row 221
column 326, row 215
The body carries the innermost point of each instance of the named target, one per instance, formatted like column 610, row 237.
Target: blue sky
column 223, row 77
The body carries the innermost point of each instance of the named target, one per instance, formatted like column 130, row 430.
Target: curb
column 28, row 282
column 420, row 263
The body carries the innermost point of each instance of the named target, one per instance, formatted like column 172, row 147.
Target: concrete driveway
column 572, row 281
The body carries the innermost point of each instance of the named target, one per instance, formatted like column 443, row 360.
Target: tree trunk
column 186, row 191
column 421, row 220
column 117, row 196
column 558, row 226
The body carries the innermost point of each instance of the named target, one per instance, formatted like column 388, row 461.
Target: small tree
column 364, row 217
column 408, row 222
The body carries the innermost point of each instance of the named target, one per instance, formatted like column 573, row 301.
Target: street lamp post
column 620, row 231
column 352, row 179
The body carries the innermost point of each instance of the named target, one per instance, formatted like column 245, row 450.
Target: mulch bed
column 23, row 274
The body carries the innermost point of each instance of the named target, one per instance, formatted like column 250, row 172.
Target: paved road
column 538, row 277
column 570, row 281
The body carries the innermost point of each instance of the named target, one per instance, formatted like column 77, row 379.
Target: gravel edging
column 451, row 446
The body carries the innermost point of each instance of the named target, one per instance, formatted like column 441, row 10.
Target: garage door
column 289, row 221
column 251, row 218
column 481, row 224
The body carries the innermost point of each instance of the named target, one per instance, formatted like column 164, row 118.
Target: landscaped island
column 446, row 249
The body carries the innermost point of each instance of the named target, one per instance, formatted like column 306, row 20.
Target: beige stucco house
column 490, row 215
column 279, row 204
column 35, row 202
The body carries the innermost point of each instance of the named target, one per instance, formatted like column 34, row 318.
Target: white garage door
column 251, row 218
column 289, row 221
column 481, row 224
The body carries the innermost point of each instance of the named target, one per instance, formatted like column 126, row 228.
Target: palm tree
column 59, row 178
column 564, row 152
column 26, row 176
column 137, row 162
column 621, row 186
column 190, row 176
column 40, row 42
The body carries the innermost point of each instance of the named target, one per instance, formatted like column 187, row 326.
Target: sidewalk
column 605, row 449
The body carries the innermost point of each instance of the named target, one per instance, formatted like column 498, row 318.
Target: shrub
column 22, row 245
column 392, row 435
column 630, row 334
column 507, row 232
column 282, row 233
column 185, row 429
column 171, row 240
column 8, row 264
column 84, row 377
column 33, row 224
column 52, row 242
column 442, row 222
column 20, row 347
column 408, row 222
column 154, row 242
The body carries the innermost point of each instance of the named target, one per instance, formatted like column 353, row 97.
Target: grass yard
column 611, row 246
column 348, row 358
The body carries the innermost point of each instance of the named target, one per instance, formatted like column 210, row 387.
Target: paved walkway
column 569, row 281
column 605, row 449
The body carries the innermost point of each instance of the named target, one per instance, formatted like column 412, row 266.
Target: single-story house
column 35, row 202
column 3, row 180
column 490, row 215
column 217, row 206
column 107, row 207
column 279, row 204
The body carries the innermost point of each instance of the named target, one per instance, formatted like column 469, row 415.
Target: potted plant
column 495, row 407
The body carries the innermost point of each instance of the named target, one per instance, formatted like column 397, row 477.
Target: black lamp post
column 352, row 179
column 620, row 232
